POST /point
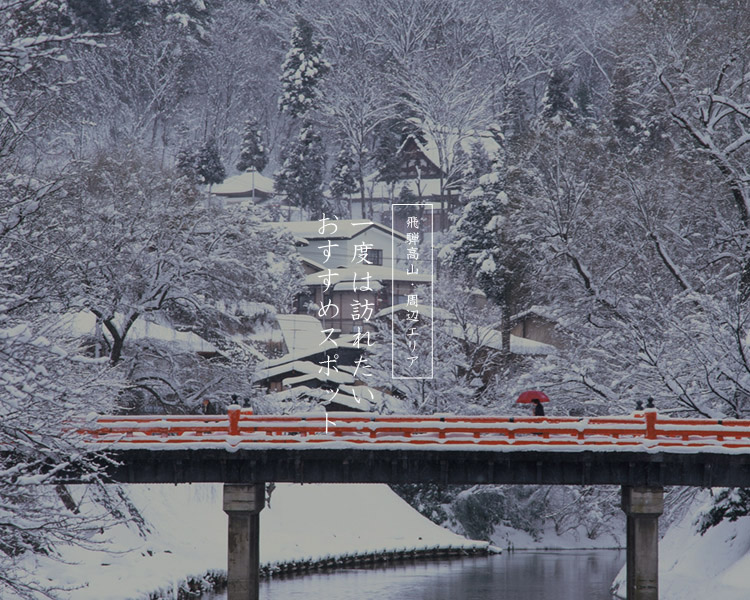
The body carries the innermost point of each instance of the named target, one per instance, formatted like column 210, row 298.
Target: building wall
column 539, row 330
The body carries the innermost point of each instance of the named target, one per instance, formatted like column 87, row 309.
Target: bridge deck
column 643, row 449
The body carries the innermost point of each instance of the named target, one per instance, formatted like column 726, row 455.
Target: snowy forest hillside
column 615, row 202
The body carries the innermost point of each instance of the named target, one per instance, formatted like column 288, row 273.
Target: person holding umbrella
column 535, row 398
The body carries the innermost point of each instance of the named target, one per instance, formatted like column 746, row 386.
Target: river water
column 565, row 575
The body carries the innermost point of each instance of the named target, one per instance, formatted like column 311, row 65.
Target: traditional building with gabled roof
column 427, row 172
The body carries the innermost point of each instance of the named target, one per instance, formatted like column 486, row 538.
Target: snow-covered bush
column 727, row 504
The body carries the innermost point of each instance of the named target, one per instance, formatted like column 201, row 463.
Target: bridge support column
column 243, row 504
column 642, row 505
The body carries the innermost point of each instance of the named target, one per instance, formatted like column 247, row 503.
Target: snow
column 345, row 229
column 84, row 323
column 519, row 345
column 694, row 567
column 504, row 536
column 427, row 311
column 487, row 336
column 189, row 535
column 375, row 188
column 307, row 368
column 302, row 333
column 243, row 183
column 453, row 139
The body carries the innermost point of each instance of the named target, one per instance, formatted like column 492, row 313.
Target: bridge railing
column 244, row 428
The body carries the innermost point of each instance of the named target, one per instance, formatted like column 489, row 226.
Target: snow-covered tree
column 356, row 105
column 253, row 154
column 138, row 80
column 186, row 165
column 448, row 103
column 478, row 163
column 46, row 387
column 303, row 68
column 302, row 170
column 485, row 246
column 343, row 178
column 433, row 383
column 458, row 346
column 558, row 106
column 151, row 247
column 208, row 165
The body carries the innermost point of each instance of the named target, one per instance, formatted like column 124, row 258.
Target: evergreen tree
column 624, row 110
column 478, row 164
column 254, row 154
column 344, row 178
column 301, row 174
column 302, row 70
column 386, row 158
column 186, row 164
column 208, row 165
column 557, row 105
column 483, row 245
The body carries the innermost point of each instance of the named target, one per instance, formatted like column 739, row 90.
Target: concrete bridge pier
column 243, row 504
column 642, row 505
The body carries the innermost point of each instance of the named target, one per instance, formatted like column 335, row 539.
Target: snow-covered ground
column 516, row 539
column 694, row 567
column 189, row 535
column 188, row 538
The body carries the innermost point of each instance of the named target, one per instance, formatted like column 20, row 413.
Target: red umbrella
column 527, row 396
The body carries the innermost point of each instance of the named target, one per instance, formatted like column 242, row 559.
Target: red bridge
column 642, row 452
column 242, row 429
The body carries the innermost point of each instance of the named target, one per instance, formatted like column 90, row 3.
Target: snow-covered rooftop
column 425, row 310
column 450, row 141
column 308, row 369
column 492, row 338
column 83, row 323
column 345, row 229
column 484, row 336
column 243, row 185
column 302, row 333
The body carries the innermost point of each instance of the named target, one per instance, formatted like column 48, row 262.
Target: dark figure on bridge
column 538, row 408
column 207, row 408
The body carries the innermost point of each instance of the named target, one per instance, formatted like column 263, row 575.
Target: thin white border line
column 432, row 291
column 393, row 292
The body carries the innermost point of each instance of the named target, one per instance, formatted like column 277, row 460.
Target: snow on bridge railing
column 241, row 427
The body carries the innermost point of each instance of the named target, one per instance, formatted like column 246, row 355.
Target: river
column 566, row 575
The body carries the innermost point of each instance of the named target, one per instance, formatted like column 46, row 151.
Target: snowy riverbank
column 188, row 536
column 715, row 565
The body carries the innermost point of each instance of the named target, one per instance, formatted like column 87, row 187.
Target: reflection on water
column 570, row 575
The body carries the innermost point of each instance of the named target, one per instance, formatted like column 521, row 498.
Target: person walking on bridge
column 538, row 408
